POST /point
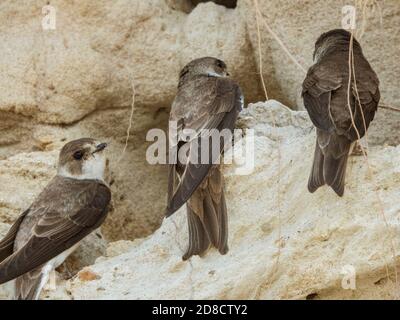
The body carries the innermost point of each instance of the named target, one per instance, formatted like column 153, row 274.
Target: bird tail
column 329, row 169
column 316, row 179
column 30, row 285
column 207, row 217
column 335, row 172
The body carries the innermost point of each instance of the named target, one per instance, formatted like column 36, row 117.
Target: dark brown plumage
column 206, row 99
column 72, row 205
column 325, row 95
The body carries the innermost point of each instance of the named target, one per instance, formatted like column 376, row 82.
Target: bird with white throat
column 73, row 204
column 207, row 101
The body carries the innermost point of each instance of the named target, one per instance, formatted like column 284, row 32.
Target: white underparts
column 50, row 267
column 45, row 274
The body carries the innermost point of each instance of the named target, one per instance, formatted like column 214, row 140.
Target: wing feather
column 215, row 104
column 317, row 89
column 7, row 244
column 55, row 232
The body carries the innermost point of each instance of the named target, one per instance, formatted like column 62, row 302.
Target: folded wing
column 56, row 232
column 213, row 104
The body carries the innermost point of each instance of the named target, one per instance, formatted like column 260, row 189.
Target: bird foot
column 358, row 150
column 65, row 271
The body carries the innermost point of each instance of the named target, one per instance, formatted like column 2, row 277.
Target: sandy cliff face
column 78, row 80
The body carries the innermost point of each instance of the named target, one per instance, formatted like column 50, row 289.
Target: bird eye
column 220, row 64
column 78, row 155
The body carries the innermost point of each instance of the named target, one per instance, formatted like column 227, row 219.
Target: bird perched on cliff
column 72, row 205
column 207, row 99
column 328, row 97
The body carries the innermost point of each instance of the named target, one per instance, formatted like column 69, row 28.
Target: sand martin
column 325, row 95
column 72, row 205
column 206, row 99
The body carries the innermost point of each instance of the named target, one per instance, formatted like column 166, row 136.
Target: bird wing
column 367, row 81
column 325, row 95
column 56, row 232
column 317, row 90
column 7, row 243
column 366, row 92
column 27, row 286
column 213, row 103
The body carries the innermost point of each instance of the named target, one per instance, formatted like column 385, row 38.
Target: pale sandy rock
column 3, row 229
column 118, row 247
column 6, row 291
column 299, row 23
column 22, row 177
column 284, row 241
column 185, row 6
column 99, row 48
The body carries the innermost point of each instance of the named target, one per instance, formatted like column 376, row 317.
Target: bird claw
column 358, row 150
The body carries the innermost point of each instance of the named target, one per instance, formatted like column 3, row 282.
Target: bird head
column 207, row 66
column 82, row 159
column 337, row 39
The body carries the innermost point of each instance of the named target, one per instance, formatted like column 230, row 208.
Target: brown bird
column 325, row 96
column 207, row 99
column 73, row 204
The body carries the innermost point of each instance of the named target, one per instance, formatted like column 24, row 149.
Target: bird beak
column 228, row 74
column 100, row 147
